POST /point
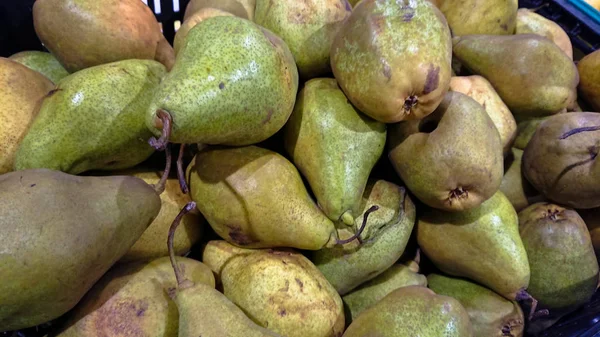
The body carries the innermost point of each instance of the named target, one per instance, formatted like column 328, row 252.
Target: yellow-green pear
column 530, row 22
column 514, row 185
column 493, row 17
column 242, row 8
column 199, row 16
column 589, row 72
column 42, row 62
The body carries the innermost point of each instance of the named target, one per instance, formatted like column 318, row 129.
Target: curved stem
column 185, row 210
column 579, row 130
column 161, row 143
column 160, row 186
column 362, row 227
column 180, row 173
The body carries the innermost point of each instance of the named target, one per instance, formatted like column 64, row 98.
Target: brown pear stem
column 180, row 174
column 523, row 295
column 579, row 130
column 185, row 210
column 161, row 143
column 362, row 227
column 540, row 7
column 160, row 186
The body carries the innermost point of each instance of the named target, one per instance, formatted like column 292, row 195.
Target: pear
column 530, row 22
column 564, row 269
column 192, row 21
column 380, row 245
column 22, row 90
column 87, row 33
column 241, row 8
column 307, row 27
column 132, row 298
column 412, row 311
column 94, row 119
column 525, row 130
column 255, row 198
column 234, row 83
column 42, row 62
column 452, row 159
column 218, row 253
column 591, row 217
column 151, row 244
column 493, row 17
column 392, row 58
column 491, row 314
column 528, row 86
column 481, row 244
column 284, row 291
column 334, row 146
column 371, row 292
column 479, row 89
column 515, row 187
column 55, row 248
column 589, row 72
column 560, row 160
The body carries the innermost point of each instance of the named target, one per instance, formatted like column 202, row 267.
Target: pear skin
column 492, row 17
column 451, row 160
column 285, row 292
column 564, row 269
column 589, row 85
column 591, row 217
column 479, row 89
column 233, row 83
column 66, row 242
column 491, row 314
column 218, row 253
column 255, row 198
column 334, row 146
column 530, row 22
column 384, row 238
column 42, row 62
column 561, row 161
column 307, row 27
column 525, row 130
column 78, row 129
column 514, row 184
column 22, row 92
column 240, row 8
column 529, row 86
column 412, row 311
column 392, row 58
column 132, row 298
column 199, row 16
column 87, row 33
column 481, row 244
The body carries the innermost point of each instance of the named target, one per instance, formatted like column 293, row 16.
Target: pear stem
column 161, row 143
column 160, row 186
column 579, row 130
column 362, row 227
column 180, row 175
column 185, row 210
column 540, row 7
column 523, row 295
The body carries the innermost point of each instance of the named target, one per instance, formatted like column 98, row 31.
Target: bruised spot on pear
column 432, row 80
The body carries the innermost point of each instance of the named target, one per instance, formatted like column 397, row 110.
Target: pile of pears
column 316, row 168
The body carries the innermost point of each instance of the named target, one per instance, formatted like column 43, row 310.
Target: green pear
column 189, row 23
column 371, row 292
column 481, row 244
column 94, row 119
column 334, row 146
column 525, row 130
column 307, row 27
column 560, row 160
column 452, row 159
column 60, row 234
column 591, row 217
column 22, row 91
column 255, row 198
column 241, row 8
column 493, row 17
column 234, row 83
column 528, row 87
column 564, row 269
column 491, row 314
column 381, row 244
column 132, row 298
column 515, row 187
column 412, row 311
column 530, row 22
column 479, row 89
column 392, row 58
column 285, row 292
column 87, row 33
column 589, row 72
column 42, row 62
column 218, row 253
